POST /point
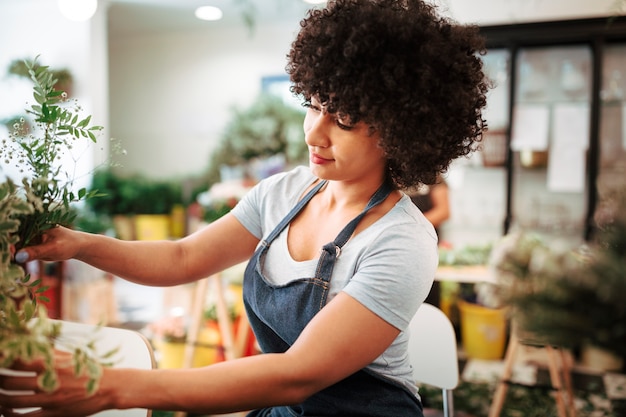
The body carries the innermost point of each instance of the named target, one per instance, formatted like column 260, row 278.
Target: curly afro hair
column 407, row 72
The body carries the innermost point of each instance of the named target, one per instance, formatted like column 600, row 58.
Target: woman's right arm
column 219, row 245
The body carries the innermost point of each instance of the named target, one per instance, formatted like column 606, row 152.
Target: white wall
column 172, row 93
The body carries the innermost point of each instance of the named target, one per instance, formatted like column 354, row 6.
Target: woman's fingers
column 52, row 247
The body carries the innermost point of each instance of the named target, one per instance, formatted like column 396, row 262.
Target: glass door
column 612, row 166
column 550, row 139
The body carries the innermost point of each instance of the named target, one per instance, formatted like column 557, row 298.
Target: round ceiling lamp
column 78, row 10
column 208, row 13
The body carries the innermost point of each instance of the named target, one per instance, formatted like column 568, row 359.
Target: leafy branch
column 41, row 201
column 40, row 152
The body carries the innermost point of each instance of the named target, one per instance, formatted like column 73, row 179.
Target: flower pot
column 152, row 226
column 171, row 354
column 483, row 331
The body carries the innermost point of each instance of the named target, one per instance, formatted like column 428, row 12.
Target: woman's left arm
column 336, row 343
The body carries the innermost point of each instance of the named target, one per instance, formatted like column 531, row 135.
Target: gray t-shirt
column 388, row 267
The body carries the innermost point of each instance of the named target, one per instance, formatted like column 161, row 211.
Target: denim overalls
column 278, row 314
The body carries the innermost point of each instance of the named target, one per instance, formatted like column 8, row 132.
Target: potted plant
column 268, row 127
column 114, row 202
column 42, row 200
column 476, row 307
column 139, row 207
column 169, row 336
column 569, row 296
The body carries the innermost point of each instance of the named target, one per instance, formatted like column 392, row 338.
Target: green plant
column 155, row 196
column 268, row 127
column 466, row 255
column 210, row 313
column 42, row 200
column 568, row 296
column 58, row 126
column 133, row 194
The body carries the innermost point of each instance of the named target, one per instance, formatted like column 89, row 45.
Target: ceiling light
column 78, row 10
column 208, row 13
column 315, row 1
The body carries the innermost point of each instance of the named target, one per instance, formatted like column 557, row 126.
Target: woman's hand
column 70, row 399
column 57, row 244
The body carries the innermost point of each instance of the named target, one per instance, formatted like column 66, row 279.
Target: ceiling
column 145, row 16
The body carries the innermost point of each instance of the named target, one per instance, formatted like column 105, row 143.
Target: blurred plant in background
column 568, row 296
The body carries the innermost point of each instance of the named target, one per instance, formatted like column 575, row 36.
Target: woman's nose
column 316, row 128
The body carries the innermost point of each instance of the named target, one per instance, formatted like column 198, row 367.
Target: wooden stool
column 559, row 367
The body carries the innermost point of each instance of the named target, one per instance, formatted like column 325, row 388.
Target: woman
column 340, row 259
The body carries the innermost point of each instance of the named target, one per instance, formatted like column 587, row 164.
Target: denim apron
column 278, row 314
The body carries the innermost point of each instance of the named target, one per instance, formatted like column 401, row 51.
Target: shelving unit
column 587, row 54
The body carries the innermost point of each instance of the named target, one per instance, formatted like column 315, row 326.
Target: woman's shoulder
column 405, row 221
column 281, row 190
column 294, row 180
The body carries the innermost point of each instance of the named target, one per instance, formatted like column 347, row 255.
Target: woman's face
column 339, row 149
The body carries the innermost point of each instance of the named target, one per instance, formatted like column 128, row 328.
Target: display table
column 465, row 274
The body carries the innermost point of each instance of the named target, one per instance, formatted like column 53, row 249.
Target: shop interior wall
column 167, row 95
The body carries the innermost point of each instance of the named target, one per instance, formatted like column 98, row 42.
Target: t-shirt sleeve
column 248, row 211
column 395, row 277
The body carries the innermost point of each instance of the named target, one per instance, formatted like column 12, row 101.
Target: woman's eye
column 313, row 107
column 343, row 126
column 344, row 122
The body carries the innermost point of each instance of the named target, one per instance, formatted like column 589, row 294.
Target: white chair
column 433, row 352
column 134, row 351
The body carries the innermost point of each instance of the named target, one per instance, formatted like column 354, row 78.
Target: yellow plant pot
column 483, row 330
column 152, row 226
column 172, row 354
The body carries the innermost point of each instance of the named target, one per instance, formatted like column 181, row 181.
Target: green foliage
column 215, row 211
column 134, row 194
column 568, row 296
column 268, row 127
column 467, row 255
column 38, row 154
column 42, row 200
column 474, row 399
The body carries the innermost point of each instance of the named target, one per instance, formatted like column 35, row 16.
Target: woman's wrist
column 117, row 389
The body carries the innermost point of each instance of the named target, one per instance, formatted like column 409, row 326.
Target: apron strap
column 294, row 211
column 332, row 250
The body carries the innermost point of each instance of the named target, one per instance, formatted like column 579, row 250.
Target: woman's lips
column 317, row 159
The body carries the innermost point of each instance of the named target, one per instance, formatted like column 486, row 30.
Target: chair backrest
column 134, row 351
column 433, row 348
